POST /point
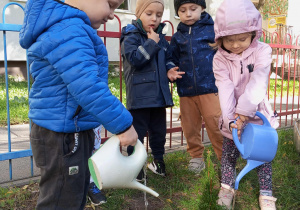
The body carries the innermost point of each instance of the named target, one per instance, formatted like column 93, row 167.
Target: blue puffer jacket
column 69, row 65
column 194, row 56
column 147, row 84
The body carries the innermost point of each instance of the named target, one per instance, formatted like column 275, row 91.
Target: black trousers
column 63, row 160
column 152, row 120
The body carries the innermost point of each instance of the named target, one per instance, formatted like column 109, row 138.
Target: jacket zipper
column 241, row 67
column 195, row 83
column 75, row 116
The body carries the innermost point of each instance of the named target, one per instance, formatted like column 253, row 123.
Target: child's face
column 237, row 43
column 151, row 16
column 99, row 11
column 189, row 13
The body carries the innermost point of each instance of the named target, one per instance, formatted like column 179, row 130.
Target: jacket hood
column 205, row 19
column 236, row 17
column 41, row 15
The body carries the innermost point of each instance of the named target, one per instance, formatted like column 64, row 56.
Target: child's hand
column 153, row 35
column 173, row 74
column 239, row 122
column 236, row 126
column 129, row 137
column 242, row 119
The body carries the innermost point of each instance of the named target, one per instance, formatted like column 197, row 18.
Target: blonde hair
column 219, row 42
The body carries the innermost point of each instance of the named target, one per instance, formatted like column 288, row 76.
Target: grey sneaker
column 196, row 165
column 226, row 195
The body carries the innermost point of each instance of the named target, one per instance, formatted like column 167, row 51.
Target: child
column 241, row 67
column 197, row 91
column 143, row 48
column 95, row 195
column 70, row 95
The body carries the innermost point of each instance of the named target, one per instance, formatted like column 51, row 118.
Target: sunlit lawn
column 18, row 96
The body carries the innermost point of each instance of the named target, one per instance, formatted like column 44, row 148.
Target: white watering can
column 258, row 145
column 110, row 169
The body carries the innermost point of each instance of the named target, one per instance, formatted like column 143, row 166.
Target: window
column 124, row 5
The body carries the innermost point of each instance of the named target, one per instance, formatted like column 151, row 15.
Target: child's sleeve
column 169, row 60
column 257, row 86
column 138, row 54
column 173, row 54
column 225, row 90
column 72, row 54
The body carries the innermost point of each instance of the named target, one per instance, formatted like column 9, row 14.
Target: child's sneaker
column 158, row 167
column 95, row 195
column 196, row 165
column 225, row 196
column 267, row 202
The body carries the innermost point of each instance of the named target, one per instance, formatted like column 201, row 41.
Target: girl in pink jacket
column 241, row 67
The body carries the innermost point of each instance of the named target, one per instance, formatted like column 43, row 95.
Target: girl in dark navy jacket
column 197, row 90
column 144, row 52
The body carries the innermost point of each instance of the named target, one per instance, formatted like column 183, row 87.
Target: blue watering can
column 258, row 145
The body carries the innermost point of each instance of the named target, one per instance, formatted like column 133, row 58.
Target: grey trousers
column 63, row 160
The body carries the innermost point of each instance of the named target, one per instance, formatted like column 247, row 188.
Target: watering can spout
column 251, row 164
column 136, row 185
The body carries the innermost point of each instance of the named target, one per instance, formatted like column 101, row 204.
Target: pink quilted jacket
column 242, row 80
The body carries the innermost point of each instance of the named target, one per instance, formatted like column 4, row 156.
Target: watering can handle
column 263, row 118
column 236, row 140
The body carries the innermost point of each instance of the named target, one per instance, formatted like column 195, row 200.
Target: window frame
column 125, row 10
column 18, row 1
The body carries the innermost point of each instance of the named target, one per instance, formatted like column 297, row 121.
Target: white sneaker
column 267, row 202
column 225, row 196
column 196, row 165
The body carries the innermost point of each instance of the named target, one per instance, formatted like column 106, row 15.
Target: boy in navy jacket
column 197, row 90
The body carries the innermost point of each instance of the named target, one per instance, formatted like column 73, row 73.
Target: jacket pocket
column 145, row 85
column 38, row 151
column 144, row 78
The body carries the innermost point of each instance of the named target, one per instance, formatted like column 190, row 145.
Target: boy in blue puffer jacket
column 70, row 95
column 197, row 90
column 144, row 52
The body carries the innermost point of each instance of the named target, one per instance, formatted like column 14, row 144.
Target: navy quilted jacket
column 69, row 65
column 193, row 55
column 147, row 84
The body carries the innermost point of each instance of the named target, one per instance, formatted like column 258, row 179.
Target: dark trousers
column 63, row 160
column 229, row 157
column 152, row 120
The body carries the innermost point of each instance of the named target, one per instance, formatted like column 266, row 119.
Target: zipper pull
column 241, row 67
column 190, row 30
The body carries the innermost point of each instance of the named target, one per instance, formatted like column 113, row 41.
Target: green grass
column 284, row 84
column 18, row 101
column 18, row 96
column 183, row 189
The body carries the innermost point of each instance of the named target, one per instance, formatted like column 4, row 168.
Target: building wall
column 15, row 15
column 294, row 16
